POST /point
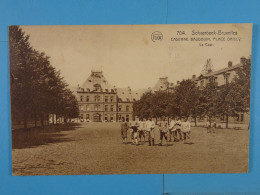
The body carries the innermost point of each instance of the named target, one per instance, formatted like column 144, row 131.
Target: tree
column 187, row 99
column 37, row 89
column 143, row 107
column 234, row 97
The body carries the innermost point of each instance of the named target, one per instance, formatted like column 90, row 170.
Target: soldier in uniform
column 142, row 129
column 124, row 128
column 178, row 128
column 150, row 125
column 185, row 128
column 163, row 128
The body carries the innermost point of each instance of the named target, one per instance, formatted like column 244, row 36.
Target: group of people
column 176, row 129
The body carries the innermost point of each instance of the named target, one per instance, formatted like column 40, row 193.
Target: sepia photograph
column 130, row 99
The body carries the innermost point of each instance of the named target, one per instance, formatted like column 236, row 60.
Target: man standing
column 173, row 130
column 163, row 128
column 178, row 128
column 131, row 127
column 124, row 128
column 185, row 128
column 142, row 128
column 150, row 125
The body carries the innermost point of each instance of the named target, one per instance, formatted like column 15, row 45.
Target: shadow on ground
column 33, row 137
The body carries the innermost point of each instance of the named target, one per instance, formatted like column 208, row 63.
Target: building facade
column 99, row 101
column 219, row 78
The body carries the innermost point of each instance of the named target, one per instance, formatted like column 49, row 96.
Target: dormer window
column 97, row 87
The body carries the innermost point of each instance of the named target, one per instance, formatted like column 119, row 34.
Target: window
column 87, row 116
column 97, row 98
column 106, row 107
column 106, row 98
column 127, row 108
column 87, row 108
column 96, row 107
column 111, row 118
column 127, row 118
column 111, row 98
column 81, row 116
column 127, row 99
column 111, row 108
column 106, row 118
column 87, row 98
column 119, row 108
column 81, row 98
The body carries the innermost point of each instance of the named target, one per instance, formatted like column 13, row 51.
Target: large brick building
column 100, row 101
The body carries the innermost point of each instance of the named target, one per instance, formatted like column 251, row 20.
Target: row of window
column 107, row 117
column 214, row 80
column 107, row 108
column 97, row 98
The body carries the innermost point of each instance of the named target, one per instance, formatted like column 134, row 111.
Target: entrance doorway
column 97, row 117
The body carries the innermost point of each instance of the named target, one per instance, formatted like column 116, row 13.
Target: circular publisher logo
column 157, row 36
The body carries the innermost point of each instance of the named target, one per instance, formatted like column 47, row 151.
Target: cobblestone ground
column 97, row 148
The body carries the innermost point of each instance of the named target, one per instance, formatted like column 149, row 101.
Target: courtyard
column 96, row 148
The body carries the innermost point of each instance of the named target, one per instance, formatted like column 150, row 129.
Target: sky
column 128, row 56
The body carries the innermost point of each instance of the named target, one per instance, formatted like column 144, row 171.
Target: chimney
column 194, row 76
column 229, row 64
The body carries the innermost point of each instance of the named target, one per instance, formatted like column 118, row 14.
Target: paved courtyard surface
column 96, row 148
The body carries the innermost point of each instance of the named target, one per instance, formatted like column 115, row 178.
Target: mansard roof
column 97, row 79
column 127, row 94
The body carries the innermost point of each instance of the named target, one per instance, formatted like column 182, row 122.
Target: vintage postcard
column 130, row 99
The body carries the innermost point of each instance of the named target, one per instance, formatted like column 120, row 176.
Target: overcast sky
column 128, row 56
